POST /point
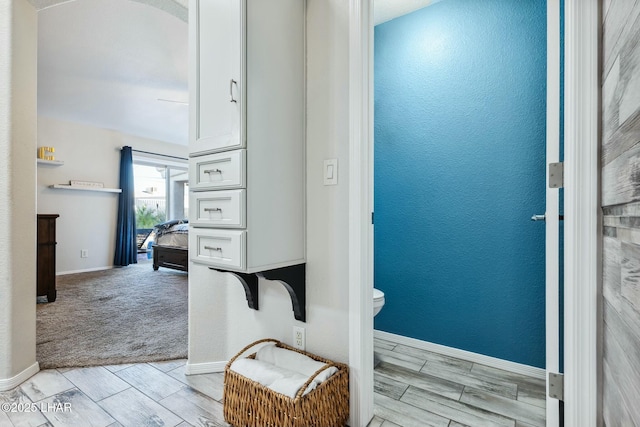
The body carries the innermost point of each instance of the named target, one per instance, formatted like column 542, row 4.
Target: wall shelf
column 50, row 162
column 292, row 278
column 69, row 187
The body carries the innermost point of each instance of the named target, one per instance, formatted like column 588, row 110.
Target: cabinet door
column 217, row 98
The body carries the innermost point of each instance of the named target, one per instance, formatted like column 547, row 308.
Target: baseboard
column 494, row 362
column 204, row 368
column 8, row 384
column 86, row 270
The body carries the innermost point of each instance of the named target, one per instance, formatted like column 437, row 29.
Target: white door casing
column 582, row 224
column 360, row 208
column 552, row 223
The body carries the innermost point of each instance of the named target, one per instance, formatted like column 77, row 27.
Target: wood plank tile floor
column 418, row 388
column 413, row 387
column 141, row 394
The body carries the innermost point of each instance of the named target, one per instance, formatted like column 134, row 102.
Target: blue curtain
column 126, row 247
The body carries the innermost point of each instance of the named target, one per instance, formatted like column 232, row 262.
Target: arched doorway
column 18, row 118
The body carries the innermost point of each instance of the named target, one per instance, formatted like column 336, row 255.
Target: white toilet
column 378, row 301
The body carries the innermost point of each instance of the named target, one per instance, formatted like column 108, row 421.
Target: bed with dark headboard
column 171, row 248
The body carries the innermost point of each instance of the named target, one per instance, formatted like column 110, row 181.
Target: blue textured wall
column 460, row 107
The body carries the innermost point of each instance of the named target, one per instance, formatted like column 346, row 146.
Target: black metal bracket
column 293, row 278
column 250, row 285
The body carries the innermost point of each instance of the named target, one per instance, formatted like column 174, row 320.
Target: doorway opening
column 541, row 184
column 116, row 76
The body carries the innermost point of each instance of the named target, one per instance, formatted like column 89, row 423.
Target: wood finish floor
column 143, row 394
column 418, row 388
column 413, row 387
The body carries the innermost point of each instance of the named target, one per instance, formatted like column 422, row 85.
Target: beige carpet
column 125, row 315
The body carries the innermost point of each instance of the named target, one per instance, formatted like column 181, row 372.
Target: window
column 161, row 192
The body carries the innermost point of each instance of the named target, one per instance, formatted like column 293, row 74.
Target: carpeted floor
column 124, row 315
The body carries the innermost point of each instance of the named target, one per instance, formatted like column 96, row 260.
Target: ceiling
column 177, row 8
column 106, row 63
column 386, row 10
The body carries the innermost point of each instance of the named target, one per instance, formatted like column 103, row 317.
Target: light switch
column 331, row 172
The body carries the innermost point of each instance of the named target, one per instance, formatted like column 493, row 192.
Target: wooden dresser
column 46, row 256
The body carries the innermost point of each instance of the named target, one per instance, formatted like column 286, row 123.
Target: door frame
column 582, row 224
column 552, row 211
column 360, row 209
column 582, row 213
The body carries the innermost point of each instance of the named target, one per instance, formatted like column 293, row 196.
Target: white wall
column 221, row 323
column 87, row 219
column 18, row 81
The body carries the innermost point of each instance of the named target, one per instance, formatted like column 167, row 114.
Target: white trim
column 552, row 223
column 148, row 159
column 204, row 368
column 494, row 362
column 582, row 241
column 86, row 270
column 15, row 381
column 360, row 203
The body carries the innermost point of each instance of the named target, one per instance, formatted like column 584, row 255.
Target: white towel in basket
column 294, row 361
column 278, row 379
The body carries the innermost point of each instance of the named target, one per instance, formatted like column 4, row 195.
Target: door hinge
column 371, row 217
column 556, row 175
column 556, row 386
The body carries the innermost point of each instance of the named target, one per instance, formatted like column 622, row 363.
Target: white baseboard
column 15, row 381
column 86, row 270
column 506, row 365
column 204, row 368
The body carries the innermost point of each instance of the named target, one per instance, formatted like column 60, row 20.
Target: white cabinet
column 246, row 142
column 216, row 75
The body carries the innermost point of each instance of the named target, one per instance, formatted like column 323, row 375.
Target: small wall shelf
column 50, row 162
column 69, row 187
column 292, row 278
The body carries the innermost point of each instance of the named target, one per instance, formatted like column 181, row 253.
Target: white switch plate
column 331, row 172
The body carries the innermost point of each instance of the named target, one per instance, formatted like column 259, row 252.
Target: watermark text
column 35, row 407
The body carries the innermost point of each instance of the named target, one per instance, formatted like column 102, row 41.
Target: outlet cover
column 84, row 253
column 299, row 341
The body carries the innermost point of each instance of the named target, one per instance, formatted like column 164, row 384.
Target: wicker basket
column 250, row 404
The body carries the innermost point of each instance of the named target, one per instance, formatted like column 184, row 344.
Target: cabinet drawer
column 218, row 209
column 218, row 248
column 218, row 171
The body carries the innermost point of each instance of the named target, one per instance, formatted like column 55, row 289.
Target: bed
column 171, row 247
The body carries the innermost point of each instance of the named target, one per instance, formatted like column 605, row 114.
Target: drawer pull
column 231, row 83
column 210, row 171
column 211, row 248
column 213, row 210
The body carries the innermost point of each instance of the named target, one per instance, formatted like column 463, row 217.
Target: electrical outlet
column 298, row 337
column 84, row 253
